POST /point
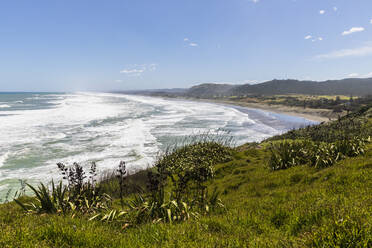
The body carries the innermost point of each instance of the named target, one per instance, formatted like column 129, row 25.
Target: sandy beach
column 319, row 115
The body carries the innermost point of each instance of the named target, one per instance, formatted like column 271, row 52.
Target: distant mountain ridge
column 349, row 86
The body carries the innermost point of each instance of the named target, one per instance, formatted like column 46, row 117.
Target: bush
column 287, row 154
column 78, row 195
column 188, row 168
column 323, row 155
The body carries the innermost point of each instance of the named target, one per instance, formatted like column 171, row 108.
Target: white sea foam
column 4, row 106
column 3, row 158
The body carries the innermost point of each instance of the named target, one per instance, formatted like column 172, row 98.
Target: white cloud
column 353, row 30
column 313, row 39
column 137, row 70
column 191, row 43
column 255, row 1
column 354, row 52
column 152, row 67
column 322, row 12
column 368, row 75
column 249, row 82
column 132, row 71
column 335, row 8
column 353, row 75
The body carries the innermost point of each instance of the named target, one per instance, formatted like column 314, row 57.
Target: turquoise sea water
column 37, row 130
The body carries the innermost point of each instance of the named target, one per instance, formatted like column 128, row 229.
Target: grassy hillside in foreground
column 301, row 206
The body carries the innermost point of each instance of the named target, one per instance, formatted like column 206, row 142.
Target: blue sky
column 119, row 45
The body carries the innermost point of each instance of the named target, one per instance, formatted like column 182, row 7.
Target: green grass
column 298, row 207
column 284, row 208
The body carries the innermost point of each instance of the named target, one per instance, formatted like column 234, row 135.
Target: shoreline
column 318, row 115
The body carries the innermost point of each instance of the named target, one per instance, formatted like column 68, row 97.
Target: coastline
column 318, row 115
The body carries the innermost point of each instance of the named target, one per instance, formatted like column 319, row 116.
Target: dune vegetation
column 310, row 187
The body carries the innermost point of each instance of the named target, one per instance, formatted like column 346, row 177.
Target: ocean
column 37, row 130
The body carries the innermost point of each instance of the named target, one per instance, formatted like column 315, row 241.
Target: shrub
column 324, row 155
column 352, row 147
column 47, row 202
column 188, row 168
column 287, row 154
column 79, row 195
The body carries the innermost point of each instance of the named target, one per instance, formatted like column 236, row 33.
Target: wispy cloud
column 353, row 75
column 152, row 67
column 190, row 43
column 249, row 81
column 322, row 12
column 255, row 1
column 118, row 80
column 368, row 75
column 132, row 71
column 137, row 70
column 354, row 52
column 357, row 75
column 353, row 30
column 313, row 39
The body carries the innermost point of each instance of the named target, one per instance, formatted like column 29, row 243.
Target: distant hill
column 350, row 86
column 210, row 90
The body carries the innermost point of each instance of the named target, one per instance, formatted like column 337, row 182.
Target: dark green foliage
column 176, row 187
column 46, row 201
column 78, row 195
column 286, row 154
column 189, row 167
column 183, row 173
column 323, row 155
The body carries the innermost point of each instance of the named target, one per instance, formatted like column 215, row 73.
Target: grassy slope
column 275, row 209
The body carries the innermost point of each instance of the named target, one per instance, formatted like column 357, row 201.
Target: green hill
column 355, row 87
